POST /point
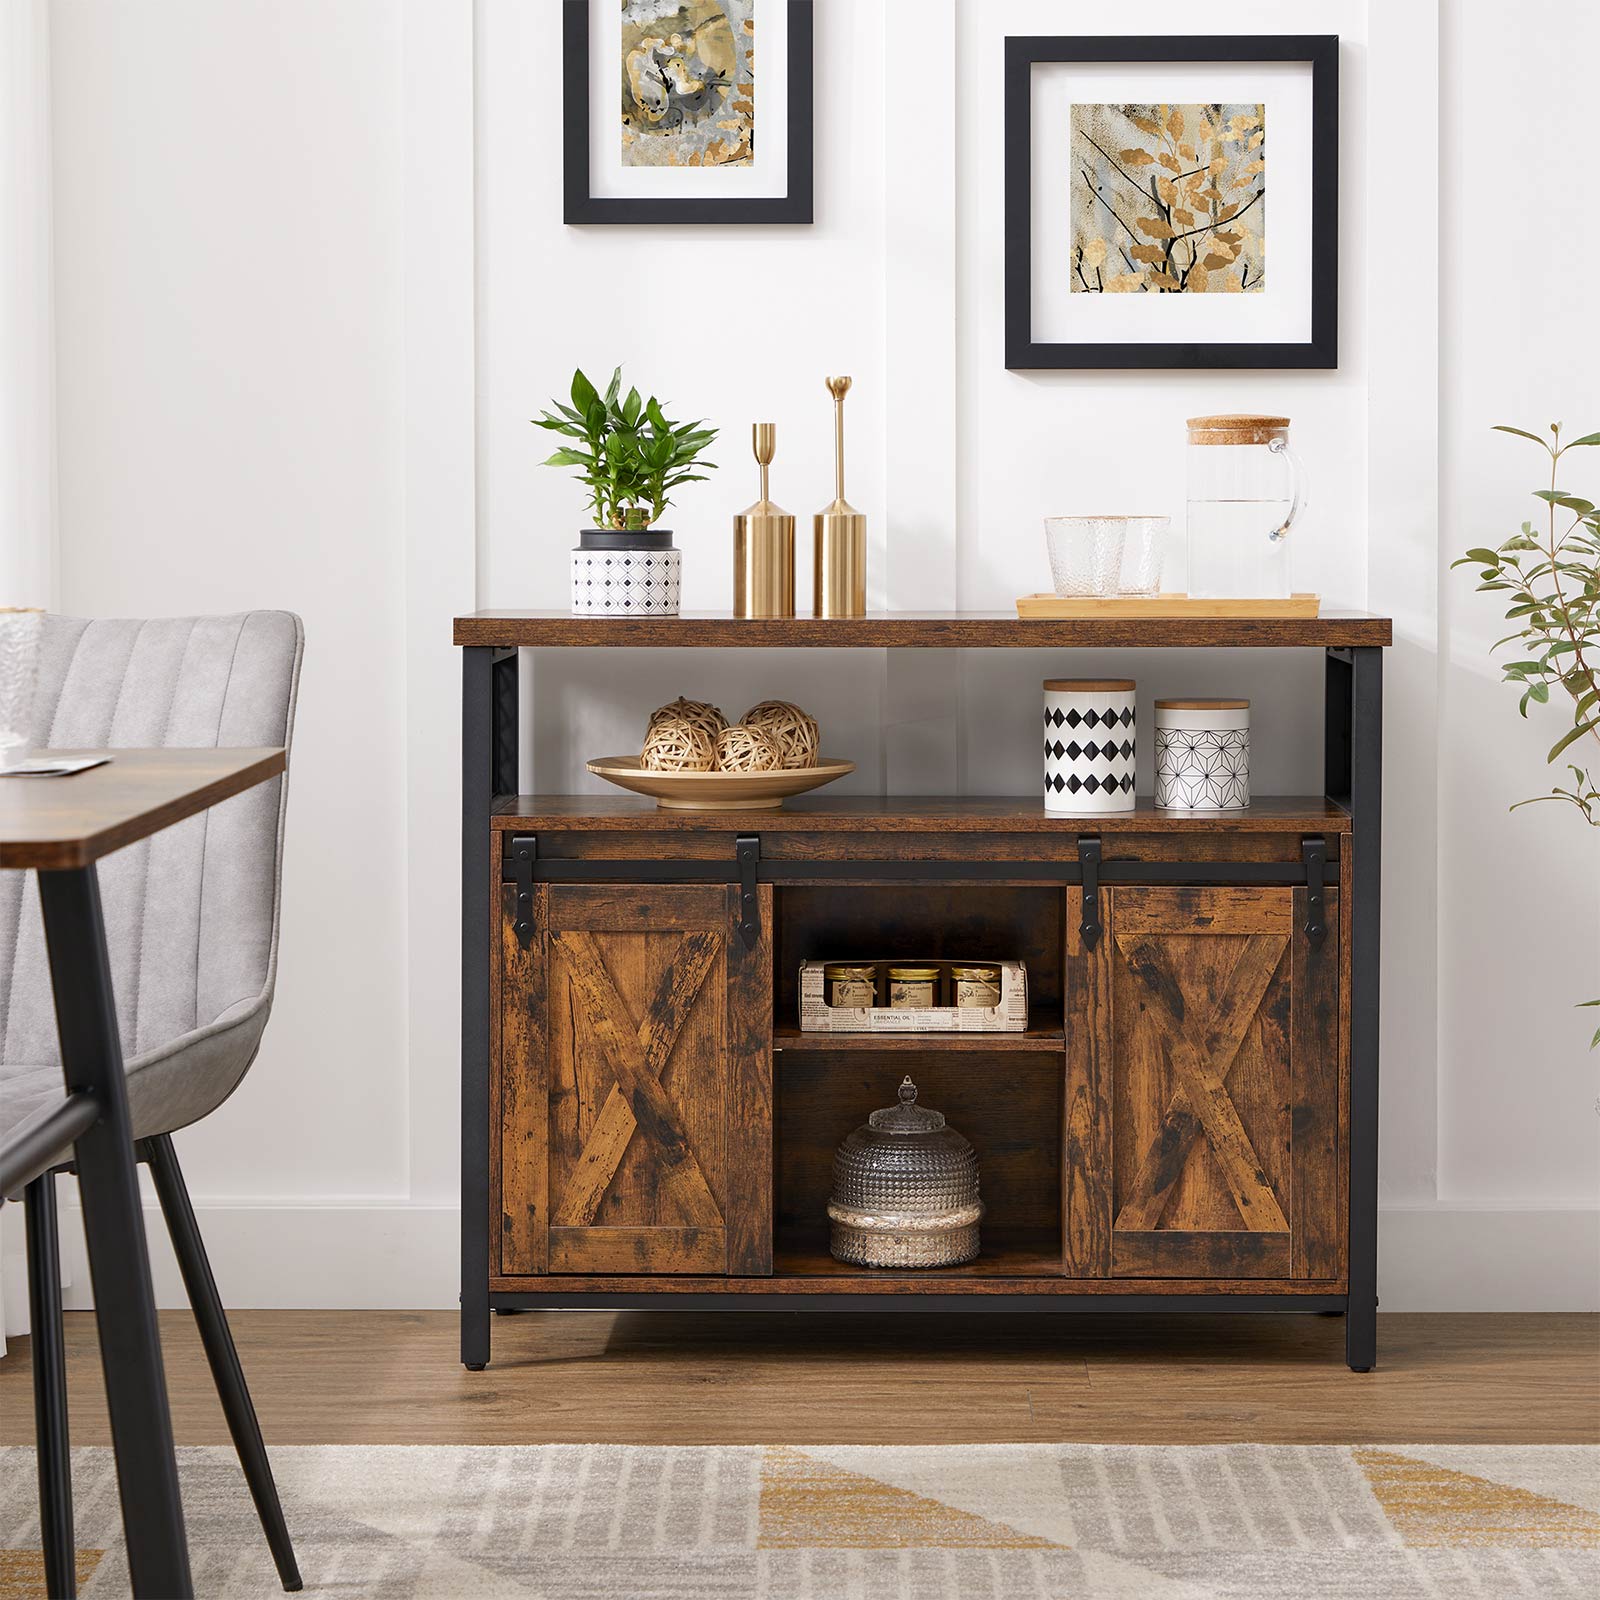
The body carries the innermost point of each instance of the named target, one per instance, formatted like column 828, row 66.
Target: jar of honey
column 977, row 985
column 850, row 985
column 912, row 988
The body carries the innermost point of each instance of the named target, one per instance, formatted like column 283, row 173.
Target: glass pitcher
column 1246, row 487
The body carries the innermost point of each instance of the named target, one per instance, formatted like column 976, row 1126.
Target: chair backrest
column 192, row 912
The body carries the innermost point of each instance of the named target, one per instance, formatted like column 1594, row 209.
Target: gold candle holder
column 840, row 566
column 763, row 544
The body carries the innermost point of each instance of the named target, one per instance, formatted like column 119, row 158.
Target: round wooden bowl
column 717, row 791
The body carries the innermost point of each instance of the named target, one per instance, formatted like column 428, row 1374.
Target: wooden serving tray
column 1056, row 607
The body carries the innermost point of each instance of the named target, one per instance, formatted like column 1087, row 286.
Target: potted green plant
column 1552, row 580
column 631, row 457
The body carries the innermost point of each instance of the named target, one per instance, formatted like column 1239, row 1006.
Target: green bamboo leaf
column 1588, row 438
column 584, row 396
column 1503, row 427
column 1571, row 736
column 613, row 387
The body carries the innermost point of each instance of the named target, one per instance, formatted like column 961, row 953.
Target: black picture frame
column 1320, row 52
column 579, row 206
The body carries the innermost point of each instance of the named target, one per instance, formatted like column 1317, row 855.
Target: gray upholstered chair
column 192, row 926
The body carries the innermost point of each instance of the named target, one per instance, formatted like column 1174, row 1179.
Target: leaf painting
column 1168, row 199
column 688, row 83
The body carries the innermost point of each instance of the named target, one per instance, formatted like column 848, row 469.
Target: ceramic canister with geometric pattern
column 1203, row 755
column 626, row 573
column 1089, row 745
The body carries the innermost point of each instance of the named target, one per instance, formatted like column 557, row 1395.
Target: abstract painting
column 1168, row 199
column 688, row 83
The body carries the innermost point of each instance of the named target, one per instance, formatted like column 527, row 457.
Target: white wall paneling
column 311, row 284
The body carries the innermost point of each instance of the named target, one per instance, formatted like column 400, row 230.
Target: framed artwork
column 693, row 111
column 1172, row 202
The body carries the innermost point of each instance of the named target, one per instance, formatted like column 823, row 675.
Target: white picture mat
column 1281, row 313
column 768, row 175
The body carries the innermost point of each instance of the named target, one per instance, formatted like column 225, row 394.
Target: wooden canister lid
column 1091, row 685
column 1241, row 428
column 1202, row 705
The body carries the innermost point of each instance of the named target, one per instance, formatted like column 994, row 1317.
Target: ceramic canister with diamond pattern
column 626, row 573
column 1088, row 745
column 1203, row 755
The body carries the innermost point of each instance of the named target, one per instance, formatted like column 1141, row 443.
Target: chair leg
column 220, row 1352
column 50, row 1389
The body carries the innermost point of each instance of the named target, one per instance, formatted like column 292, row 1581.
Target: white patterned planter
column 1203, row 755
column 1089, row 746
column 616, row 575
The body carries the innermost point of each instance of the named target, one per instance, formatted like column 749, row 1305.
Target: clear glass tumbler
column 1085, row 553
column 1106, row 555
column 19, row 667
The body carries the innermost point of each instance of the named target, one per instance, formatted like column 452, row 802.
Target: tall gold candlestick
column 763, row 544
column 840, row 566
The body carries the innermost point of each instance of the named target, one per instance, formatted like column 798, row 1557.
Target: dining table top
column 54, row 823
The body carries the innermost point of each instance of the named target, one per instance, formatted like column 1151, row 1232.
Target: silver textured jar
column 905, row 1190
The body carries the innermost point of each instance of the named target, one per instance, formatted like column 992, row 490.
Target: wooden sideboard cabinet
column 1189, row 1121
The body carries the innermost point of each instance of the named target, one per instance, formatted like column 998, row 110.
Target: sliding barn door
column 1203, row 1087
column 636, row 1093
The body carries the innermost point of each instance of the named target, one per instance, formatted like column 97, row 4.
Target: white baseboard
column 1453, row 1257
column 359, row 1255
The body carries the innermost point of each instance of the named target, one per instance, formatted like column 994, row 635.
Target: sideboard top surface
column 877, row 814
column 918, row 630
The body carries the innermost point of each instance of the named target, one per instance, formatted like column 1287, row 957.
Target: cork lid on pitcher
column 1236, row 428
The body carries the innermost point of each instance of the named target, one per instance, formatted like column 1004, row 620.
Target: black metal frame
column 1321, row 51
column 1352, row 777
column 119, row 1263
column 579, row 206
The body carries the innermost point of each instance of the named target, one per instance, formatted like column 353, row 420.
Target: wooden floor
column 340, row 1377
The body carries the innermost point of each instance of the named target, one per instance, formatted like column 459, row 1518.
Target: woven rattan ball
column 791, row 729
column 674, row 745
column 742, row 749
column 697, row 713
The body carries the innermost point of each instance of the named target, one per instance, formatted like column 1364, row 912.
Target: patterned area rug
column 594, row 1522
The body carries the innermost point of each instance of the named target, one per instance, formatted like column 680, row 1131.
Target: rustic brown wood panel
column 656, row 1083
column 519, row 1071
column 749, row 1102
column 991, row 817
column 1086, row 1160
column 1170, row 1253
column 638, row 908
column 1183, row 908
column 1014, row 1268
column 1314, row 1030
column 643, row 1249
column 1202, row 1101
column 918, row 630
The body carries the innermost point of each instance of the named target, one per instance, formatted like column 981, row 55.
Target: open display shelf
column 1188, row 1122
column 1044, row 1032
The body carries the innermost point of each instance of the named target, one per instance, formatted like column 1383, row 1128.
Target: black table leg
column 119, row 1264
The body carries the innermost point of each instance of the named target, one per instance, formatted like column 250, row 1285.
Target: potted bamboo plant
column 630, row 456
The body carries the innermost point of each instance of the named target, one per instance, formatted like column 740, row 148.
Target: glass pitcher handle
column 1300, row 492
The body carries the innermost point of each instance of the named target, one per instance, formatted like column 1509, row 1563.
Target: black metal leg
column 1364, row 740
column 480, row 757
column 50, row 1389
column 119, row 1263
column 220, row 1352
